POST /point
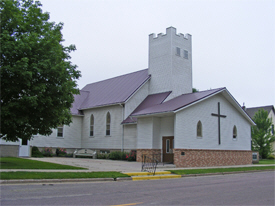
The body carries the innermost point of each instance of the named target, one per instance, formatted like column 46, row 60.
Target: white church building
column 154, row 112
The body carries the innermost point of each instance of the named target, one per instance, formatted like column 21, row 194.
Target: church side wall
column 145, row 133
column 186, row 127
column 156, row 132
column 71, row 136
column 135, row 100
column 167, row 127
column 100, row 140
column 130, row 136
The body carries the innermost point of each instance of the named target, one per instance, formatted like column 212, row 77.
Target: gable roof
column 251, row 111
column 78, row 100
column 149, row 101
column 183, row 101
column 176, row 103
column 111, row 91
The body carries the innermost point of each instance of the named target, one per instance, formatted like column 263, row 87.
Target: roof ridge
column 259, row 107
column 217, row 89
column 115, row 77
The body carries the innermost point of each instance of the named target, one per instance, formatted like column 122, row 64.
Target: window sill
column 59, row 137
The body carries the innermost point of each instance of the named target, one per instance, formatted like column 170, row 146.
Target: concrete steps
column 160, row 165
column 149, row 176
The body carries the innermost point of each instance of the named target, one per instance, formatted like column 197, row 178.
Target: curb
column 224, row 173
column 23, row 181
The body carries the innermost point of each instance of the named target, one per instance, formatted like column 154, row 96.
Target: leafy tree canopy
column 261, row 134
column 37, row 79
column 195, row 90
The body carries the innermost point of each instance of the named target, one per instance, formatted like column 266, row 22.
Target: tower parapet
column 169, row 31
column 170, row 62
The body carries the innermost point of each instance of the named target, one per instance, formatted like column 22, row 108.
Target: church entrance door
column 167, row 149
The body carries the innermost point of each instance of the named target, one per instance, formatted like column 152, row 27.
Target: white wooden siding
column 187, row 119
column 156, row 132
column 145, row 133
column 170, row 72
column 130, row 136
column 135, row 100
column 152, row 129
column 71, row 136
column 100, row 140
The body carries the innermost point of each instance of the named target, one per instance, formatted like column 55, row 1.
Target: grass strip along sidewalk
column 58, row 175
column 20, row 163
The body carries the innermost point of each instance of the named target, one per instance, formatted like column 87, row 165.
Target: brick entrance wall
column 206, row 158
column 149, row 153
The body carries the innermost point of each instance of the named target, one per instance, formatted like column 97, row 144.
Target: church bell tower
column 170, row 63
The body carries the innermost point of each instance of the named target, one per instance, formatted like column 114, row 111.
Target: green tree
column 37, row 79
column 194, row 90
column 261, row 134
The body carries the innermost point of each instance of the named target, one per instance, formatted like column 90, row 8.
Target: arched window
column 92, row 126
column 234, row 132
column 199, row 129
column 108, row 124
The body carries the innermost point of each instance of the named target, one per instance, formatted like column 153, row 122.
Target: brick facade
column 201, row 158
column 156, row 153
column 206, row 158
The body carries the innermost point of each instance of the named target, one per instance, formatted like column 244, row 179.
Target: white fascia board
column 128, row 123
column 137, row 89
column 237, row 106
column 189, row 105
column 154, row 114
column 78, row 115
column 105, row 105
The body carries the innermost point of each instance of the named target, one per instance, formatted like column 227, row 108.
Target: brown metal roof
column 78, row 100
column 111, row 91
column 149, row 101
column 175, row 103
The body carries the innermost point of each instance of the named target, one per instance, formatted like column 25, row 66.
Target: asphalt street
column 234, row 189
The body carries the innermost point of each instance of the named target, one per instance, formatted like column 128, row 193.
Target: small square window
column 177, row 51
column 185, row 54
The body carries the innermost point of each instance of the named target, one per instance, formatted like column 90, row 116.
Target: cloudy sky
column 233, row 41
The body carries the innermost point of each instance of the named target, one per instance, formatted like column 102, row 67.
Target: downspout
column 122, row 137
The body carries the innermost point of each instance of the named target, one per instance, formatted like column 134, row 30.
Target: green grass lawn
column 266, row 161
column 20, row 163
column 219, row 170
column 59, row 175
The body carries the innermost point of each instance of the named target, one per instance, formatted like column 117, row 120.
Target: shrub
column 61, row 152
column 102, row 156
column 131, row 156
column 69, row 155
column 271, row 157
column 47, row 152
column 117, row 155
column 36, row 152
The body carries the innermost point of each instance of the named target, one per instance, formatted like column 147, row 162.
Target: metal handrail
column 149, row 164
